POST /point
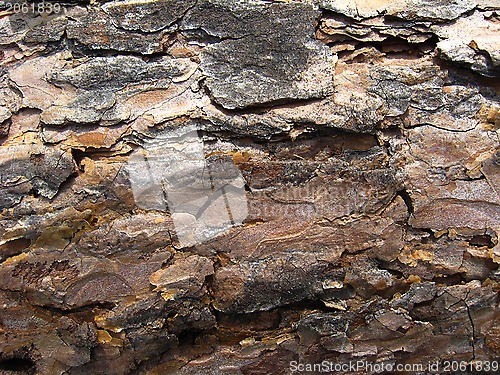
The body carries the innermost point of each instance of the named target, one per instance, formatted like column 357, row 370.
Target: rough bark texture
column 366, row 134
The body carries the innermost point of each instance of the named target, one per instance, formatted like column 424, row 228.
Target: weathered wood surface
column 357, row 146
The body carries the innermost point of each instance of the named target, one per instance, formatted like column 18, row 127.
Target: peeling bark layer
column 339, row 200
